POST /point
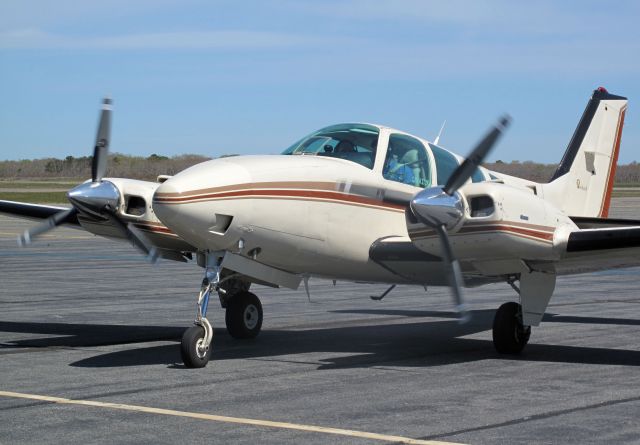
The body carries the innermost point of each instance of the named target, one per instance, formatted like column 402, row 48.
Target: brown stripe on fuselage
column 511, row 223
column 156, row 230
column 498, row 228
column 151, row 226
column 475, row 229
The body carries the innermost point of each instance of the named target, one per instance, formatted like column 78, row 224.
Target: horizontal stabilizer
column 596, row 249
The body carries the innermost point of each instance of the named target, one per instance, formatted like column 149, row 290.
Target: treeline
column 123, row 166
column 148, row 168
column 625, row 174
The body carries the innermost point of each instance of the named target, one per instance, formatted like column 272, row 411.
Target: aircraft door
column 407, row 161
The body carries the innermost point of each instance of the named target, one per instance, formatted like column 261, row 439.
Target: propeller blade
column 52, row 222
column 473, row 161
column 149, row 248
column 455, row 274
column 101, row 149
column 136, row 238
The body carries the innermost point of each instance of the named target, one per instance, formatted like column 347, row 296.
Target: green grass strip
column 35, row 197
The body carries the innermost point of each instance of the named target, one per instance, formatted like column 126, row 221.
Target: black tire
column 509, row 335
column 244, row 315
column 191, row 357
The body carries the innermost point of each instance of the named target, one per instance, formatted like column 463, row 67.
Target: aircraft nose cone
column 192, row 204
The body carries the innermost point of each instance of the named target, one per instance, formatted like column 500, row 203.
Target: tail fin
column 582, row 184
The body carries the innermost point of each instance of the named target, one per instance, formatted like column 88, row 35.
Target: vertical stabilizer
column 582, row 184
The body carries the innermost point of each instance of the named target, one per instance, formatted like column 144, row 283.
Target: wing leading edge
column 34, row 212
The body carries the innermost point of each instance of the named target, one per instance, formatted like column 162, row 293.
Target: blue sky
column 217, row 77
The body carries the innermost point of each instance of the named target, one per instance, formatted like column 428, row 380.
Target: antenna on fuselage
column 435, row 142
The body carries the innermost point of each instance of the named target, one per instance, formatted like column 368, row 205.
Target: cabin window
column 407, row 161
column 352, row 142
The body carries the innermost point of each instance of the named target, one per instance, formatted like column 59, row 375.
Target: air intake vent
column 221, row 225
column 481, row 206
column 136, row 205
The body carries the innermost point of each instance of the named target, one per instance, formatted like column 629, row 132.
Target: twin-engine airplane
column 369, row 203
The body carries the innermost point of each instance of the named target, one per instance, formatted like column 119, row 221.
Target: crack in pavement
column 531, row 418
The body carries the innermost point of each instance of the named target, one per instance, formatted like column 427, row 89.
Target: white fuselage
column 325, row 217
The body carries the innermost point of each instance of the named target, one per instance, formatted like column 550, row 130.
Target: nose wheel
column 193, row 348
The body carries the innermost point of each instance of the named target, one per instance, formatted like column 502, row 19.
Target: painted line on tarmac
column 225, row 419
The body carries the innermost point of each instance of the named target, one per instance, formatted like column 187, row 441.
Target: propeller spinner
column 442, row 209
column 97, row 198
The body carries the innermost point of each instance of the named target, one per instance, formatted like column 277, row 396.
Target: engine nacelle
column 132, row 202
column 499, row 223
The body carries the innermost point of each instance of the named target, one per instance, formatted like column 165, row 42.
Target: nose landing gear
column 243, row 313
column 195, row 347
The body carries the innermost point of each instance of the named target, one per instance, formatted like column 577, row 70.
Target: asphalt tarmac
column 89, row 353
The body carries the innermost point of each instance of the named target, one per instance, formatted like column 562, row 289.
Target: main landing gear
column 510, row 336
column 243, row 316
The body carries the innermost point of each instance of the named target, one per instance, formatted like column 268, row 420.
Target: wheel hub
column 251, row 316
column 201, row 349
column 522, row 333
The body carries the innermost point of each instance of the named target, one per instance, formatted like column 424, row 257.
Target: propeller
column 101, row 149
column 96, row 199
column 53, row 221
column 442, row 209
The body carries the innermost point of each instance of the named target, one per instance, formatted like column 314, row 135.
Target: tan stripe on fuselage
column 308, row 193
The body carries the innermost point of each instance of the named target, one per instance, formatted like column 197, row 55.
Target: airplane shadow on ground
column 407, row 344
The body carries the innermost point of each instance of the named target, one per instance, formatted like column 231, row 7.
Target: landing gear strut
column 510, row 336
column 195, row 347
column 243, row 313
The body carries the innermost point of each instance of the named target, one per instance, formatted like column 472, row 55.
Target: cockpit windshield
column 352, row 142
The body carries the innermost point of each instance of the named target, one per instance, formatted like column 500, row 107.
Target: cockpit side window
column 352, row 142
column 478, row 176
column 446, row 163
column 407, row 161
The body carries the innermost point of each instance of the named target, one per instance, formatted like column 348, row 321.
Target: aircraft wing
column 35, row 212
column 601, row 244
column 169, row 246
column 398, row 255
